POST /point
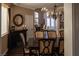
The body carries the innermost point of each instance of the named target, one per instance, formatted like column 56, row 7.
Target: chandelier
column 44, row 9
column 53, row 13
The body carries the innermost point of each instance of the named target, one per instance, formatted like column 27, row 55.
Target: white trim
column 68, row 40
column 4, row 52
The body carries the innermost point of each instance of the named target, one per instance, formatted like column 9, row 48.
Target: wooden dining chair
column 61, row 43
column 61, row 47
column 46, row 47
column 52, row 34
column 39, row 34
column 61, row 34
column 34, row 50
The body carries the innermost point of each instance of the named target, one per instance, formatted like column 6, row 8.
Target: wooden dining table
column 35, row 45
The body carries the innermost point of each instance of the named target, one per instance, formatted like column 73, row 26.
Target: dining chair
column 61, row 47
column 29, row 49
column 26, row 50
column 61, row 43
column 33, row 47
column 39, row 34
column 61, row 34
column 34, row 50
column 52, row 34
column 46, row 47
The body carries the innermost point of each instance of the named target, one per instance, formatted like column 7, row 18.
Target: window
column 4, row 21
column 36, row 20
column 50, row 23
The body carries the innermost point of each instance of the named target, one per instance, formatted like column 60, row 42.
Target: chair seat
column 26, row 50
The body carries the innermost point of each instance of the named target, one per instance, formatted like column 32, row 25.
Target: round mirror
column 18, row 20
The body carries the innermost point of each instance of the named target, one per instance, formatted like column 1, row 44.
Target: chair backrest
column 52, row 34
column 46, row 46
column 62, row 34
column 61, row 42
column 39, row 34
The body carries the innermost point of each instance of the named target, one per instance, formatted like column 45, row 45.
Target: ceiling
column 34, row 6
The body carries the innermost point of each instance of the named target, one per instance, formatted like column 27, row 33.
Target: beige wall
column 68, row 29
column 76, row 29
column 4, row 44
column 20, row 10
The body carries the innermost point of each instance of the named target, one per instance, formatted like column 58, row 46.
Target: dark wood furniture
column 24, row 32
column 58, row 49
column 46, row 47
column 61, row 47
column 42, row 36
column 61, row 43
column 15, row 38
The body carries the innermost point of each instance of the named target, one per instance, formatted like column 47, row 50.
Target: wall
column 4, row 47
column 20, row 10
column 76, row 29
column 68, row 29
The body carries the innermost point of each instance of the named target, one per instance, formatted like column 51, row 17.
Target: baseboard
column 4, row 52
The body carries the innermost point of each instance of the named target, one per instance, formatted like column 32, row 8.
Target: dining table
column 35, row 45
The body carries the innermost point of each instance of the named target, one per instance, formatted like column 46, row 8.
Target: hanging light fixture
column 44, row 9
column 56, row 12
column 53, row 13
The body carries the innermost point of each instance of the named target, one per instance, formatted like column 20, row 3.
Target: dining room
column 36, row 29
